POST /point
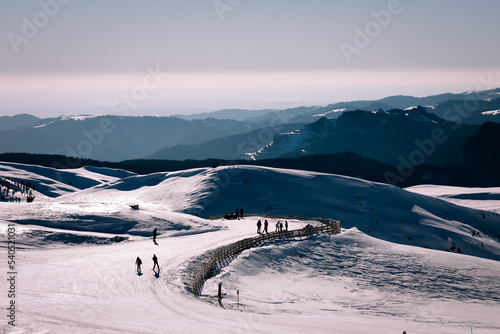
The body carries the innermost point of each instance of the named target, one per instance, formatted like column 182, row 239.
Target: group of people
column 239, row 214
column 138, row 261
column 9, row 189
column 279, row 226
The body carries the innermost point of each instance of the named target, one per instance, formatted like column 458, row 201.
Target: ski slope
column 76, row 275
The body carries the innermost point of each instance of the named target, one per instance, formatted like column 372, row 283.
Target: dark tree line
column 9, row 188
column 349, row 164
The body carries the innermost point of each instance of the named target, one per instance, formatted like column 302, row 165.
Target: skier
column 138, row 262
column 241, row 213
column 154, row 235
column 265, row 225
column 259, row 224
column 155, row 262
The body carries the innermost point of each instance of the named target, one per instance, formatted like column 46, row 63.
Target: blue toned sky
column 167, row 56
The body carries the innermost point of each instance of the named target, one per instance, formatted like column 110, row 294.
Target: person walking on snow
column 155, row 262
column 138, row 263
column 265, row 225
column 241, row 213
column 237, row 214
column 277, row 226
column 259, row 224
column 286, row 225
column 154, row 235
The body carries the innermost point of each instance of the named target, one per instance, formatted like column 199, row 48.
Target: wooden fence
column 222, row 257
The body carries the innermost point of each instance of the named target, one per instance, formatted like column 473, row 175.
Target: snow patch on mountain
column 339, row 110
column 491, row 112
column 79, row 117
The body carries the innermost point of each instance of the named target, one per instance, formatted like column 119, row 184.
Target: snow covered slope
column 358, row 276
column 56, row 182
column 76, row 253
column 477, row 198
column 384, row 211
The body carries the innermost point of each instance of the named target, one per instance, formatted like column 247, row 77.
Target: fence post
column 219, row 292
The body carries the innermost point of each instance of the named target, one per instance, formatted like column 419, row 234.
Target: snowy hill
column 477, row 198
column 76, row 255
column 383, row 211
column 56, row 182
column 355, row 275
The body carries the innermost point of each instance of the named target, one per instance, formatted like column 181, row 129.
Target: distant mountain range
column 382, row 135
column 477, row 108
column 447, row 130
column 112, row 138
column 18, row 121
column 239, row 146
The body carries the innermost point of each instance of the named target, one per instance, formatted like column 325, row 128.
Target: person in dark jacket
column 155, row 262
column 259, row 224
column 138, row 263
column 241, row 212
column 154, row 235
column 219, row 293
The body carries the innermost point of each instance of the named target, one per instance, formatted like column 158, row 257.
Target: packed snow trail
column 97, row 287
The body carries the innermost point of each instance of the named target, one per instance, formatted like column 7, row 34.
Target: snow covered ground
column 396, row 267
column 477, row 198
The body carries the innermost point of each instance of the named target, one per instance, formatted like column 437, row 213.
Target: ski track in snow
column 351, row 276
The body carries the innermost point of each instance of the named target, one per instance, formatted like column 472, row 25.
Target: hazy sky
column 112, row 56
